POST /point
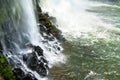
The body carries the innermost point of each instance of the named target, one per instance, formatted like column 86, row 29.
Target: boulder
column 25, row 57
column 38, row 65
column 29, row 76
column 38, row 50
column 32, row 61
column 35, row 49
column 41, row 69
column 20, row 75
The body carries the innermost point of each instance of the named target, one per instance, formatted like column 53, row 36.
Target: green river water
column 90, row 57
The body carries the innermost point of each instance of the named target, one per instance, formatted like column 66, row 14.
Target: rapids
column 91, row 28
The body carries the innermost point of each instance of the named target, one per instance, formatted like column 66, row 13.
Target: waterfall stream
column 28, row 52
column 91, row 29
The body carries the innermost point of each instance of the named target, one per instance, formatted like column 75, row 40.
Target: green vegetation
column 5, row 69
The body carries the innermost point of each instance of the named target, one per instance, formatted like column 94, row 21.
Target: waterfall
column 28, row 52
column 73, row 15
column 75, row 19
column 29, row 19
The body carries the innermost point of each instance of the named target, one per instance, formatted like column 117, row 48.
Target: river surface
column 92, row 32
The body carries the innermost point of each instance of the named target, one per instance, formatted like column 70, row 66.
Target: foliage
column 5, row 69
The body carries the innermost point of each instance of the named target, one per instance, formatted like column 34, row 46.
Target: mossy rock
column 5, row 69
column 48, row 22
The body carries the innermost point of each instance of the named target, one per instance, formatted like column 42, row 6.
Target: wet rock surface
column 48, row 25
column 34, row 61
column 38, row 50
column 1, row 47
column 37, row 62
column 21, row 75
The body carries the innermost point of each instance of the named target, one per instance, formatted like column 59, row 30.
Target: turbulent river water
column 92, row 32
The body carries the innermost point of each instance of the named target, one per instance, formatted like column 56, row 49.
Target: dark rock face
column 37, row 64
column 20, row 75
column 1, row 47
column 35, row 61
column 48, row 25
column 29, row 76
column 32, row 61
column 38, row 50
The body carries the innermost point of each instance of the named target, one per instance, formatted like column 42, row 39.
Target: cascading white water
column 24, row 30
column 71, row 13
column 73, row 18
column 29, row 20
column 34, row 35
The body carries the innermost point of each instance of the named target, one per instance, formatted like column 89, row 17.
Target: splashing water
column 74, row 20
column 29, row 19
column 92, row 30
column 20, row 30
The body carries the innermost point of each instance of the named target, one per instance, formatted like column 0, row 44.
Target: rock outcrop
column 47, row 25
column 35, row 61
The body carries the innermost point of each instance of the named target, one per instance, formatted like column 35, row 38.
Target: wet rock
column 20, row 75
column 42, row 70
column 1, row 47
column 25, row 57
column 48, row 22
column 58, row 48
column 12, row 62
column 38, row 50
column 35, row 49
column 38, row 7
column 32, row 61
column 29, row 76
column 38, row 65
column 43, row 60
column 51, row 38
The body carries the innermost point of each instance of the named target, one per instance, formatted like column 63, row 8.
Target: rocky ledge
column 34, row 61
column 47, row 25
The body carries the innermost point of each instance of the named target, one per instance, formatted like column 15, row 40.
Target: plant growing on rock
column 5, row 69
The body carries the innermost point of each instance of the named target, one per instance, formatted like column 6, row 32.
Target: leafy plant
column 5, row 69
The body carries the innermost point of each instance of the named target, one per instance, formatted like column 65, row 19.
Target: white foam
column 29, row 31
column 73, row 19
